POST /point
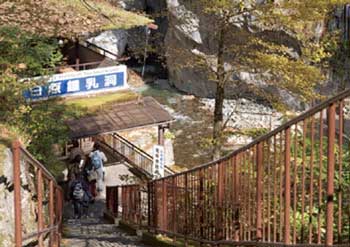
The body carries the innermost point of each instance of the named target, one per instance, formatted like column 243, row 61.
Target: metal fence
column 30, row 176
column 132, row 154
column 291, row 187
column 128, row 202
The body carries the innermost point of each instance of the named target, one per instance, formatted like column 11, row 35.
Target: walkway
column 94, row 231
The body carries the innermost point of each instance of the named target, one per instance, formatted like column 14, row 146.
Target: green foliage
column 341, row 181
column 45, row 124
column 169, row 135
column 22, row 56
column 27, row 55
column 275, row 41
column 255, row 132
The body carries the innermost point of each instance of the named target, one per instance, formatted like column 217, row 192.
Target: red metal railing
column 291, row 187
column 131, row 201
column 30, row 176
column 124, row 150
column 101, row 50
column 112, row 200
column 80, row 66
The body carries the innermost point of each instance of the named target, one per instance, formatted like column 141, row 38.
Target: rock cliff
column 184, row 32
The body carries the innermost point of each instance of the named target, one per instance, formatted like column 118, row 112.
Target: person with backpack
column 80, row 196
column 97, row 158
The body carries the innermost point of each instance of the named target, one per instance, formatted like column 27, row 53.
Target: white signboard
column 158, row 161
column 80, row 83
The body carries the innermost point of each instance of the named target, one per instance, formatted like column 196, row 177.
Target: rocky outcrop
column 190, row 34
column 245, row 114
column 114, row 41
column 134, row 39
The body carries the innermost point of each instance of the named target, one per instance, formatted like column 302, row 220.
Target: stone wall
column 29, row 216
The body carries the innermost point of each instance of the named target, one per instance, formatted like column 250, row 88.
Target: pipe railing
column 134, row 156
column 29, row 174
column 138, row 155
column 101, row 50
column 290, row 187
column 129, row 203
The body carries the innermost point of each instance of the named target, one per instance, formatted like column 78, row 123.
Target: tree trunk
column 219, row 97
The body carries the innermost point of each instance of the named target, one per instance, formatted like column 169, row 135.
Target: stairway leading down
column 93, row 231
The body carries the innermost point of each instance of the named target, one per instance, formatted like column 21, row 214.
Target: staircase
column 139, row 162
column 94, row 231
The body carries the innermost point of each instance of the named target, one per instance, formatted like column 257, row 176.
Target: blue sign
column 80, row 83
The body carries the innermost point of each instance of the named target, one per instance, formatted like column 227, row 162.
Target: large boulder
column 190, row 33
column 114, row 41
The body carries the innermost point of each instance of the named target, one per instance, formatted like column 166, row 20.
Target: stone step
column 83, row 234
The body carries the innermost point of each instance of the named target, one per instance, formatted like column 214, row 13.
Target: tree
column 29, row 31
column 22, row 56
column 273, row 40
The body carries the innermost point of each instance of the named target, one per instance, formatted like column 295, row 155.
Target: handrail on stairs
column 134, row 155
column 27, row 170
column 132, row 158
column 289, row 187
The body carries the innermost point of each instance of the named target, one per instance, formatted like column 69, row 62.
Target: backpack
column 78, row 191
column 96, row 160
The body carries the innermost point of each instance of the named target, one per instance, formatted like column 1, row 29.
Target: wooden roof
column 133, row 114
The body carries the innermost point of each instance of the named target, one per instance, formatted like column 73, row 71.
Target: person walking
column 97, row 159
column 80, row 196
column 90, row 175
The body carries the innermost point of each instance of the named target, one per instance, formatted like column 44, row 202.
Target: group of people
column 86, row 178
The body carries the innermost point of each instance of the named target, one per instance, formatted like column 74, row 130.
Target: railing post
column 164, row 206
column 235, row 178
column 201, row 203
column 287, row 187
column 220, row 195
column 155, row 206
column 51, row 211
column 140, row 205
column 186, row 208
column 117, row 201
column 17, row 192
column 59, row 207
column 330, row 174
column 40, row 206
column 259, row 184
column 149, row 204
column 174, row 216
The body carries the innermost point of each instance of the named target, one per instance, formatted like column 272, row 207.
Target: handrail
column 140, row 151
column 270, row 134
column 38, row 164
column 140, row 167
column 22, row 160
column 89, row 44
column 80, row 65
column 131, row 145
column 272, row 191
